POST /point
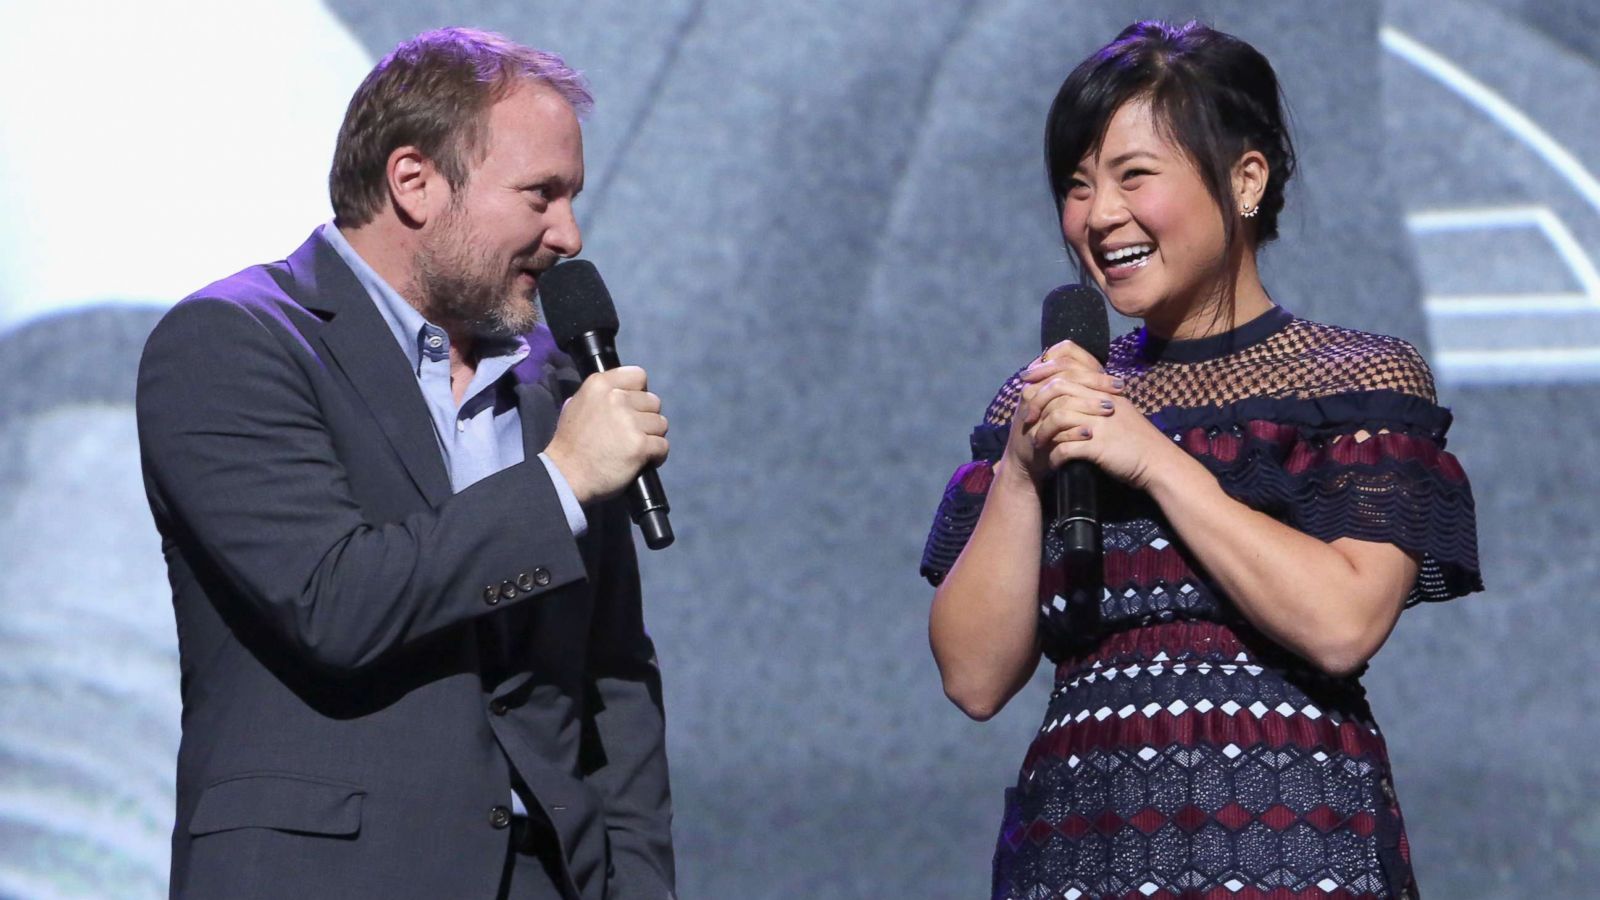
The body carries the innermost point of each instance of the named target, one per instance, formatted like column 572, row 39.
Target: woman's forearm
column 984, row 623
column 1333, row 604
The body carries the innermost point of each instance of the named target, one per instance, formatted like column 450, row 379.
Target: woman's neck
column 1231, row 303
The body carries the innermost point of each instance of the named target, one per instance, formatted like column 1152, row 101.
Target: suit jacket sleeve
column 628, row 759
column 242, row 470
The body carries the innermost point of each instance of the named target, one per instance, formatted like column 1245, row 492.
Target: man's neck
column 393, row 257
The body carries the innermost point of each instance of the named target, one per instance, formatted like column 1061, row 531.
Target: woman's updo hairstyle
column 1211, row 94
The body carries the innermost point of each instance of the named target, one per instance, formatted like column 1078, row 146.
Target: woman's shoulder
column 1340, row 360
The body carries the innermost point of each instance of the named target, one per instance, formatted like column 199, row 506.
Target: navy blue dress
column 1182, row 753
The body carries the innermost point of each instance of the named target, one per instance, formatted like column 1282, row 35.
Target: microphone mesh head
column 575, row 301
column 1076, row 313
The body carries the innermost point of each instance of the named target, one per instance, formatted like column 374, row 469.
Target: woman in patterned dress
column 1276, row 491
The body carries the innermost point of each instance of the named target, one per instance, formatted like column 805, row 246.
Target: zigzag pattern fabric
column 1183, row 754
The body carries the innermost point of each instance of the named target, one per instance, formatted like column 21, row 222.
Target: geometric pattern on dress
column 1195, row 770
column 1198, row 819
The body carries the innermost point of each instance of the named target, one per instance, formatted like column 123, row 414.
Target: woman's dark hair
column 1212, row 95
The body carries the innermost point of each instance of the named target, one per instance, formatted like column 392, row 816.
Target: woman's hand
column 1071, row 409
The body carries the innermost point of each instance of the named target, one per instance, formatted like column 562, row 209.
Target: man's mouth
column 1125, row 259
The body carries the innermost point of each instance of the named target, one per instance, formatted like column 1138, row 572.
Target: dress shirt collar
column 416, row 335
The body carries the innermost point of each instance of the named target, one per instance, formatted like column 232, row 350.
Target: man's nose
column 563, row 235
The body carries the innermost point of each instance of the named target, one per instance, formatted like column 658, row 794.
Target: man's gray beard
column 453, row 296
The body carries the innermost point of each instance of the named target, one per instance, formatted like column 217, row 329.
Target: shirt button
column 498, row 707
column 499, row 817
column 491, row 595
column 435, row 341
column 507, row 590
column 461, row 425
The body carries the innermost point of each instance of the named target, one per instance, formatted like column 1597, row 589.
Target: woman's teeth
column 1129, row 254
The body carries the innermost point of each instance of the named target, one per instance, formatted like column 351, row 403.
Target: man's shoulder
column 271, row 293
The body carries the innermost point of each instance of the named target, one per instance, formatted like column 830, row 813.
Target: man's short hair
column 433, row 92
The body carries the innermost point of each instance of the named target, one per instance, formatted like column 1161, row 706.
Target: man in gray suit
column 413, row 657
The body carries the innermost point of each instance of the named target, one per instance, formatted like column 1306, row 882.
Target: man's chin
column 518, row 316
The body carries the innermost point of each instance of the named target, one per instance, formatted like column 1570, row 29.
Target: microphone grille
column 575, row 301
column 1075, row 312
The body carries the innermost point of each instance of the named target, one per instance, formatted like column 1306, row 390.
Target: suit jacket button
column 1387, row 787
column 541, row 576
column 491, row 595
column 525, row 581
column 507, row 590
column 498, row 707
column 500, row 817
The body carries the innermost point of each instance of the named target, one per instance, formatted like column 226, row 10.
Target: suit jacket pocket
column 280, row 801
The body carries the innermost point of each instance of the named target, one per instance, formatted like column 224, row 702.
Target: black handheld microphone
column 1074, row 312
column 578, row 309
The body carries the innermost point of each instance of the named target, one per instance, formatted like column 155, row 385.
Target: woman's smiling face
column 1142, row 222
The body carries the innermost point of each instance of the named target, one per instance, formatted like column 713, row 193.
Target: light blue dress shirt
column 483, row 434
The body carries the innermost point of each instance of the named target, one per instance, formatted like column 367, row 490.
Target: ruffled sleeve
column 1370, row 466
column 963, row 497
column 962, row 503
column 1395, row 487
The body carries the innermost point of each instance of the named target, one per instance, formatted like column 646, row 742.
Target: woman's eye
column 1133, row 174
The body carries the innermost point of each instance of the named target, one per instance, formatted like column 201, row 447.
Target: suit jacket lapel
column 545, row 379
column 361, row 344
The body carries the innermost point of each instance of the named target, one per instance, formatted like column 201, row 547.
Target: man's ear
column 416, row 187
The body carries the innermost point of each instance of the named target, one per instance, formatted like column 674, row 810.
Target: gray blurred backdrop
column 827, row 230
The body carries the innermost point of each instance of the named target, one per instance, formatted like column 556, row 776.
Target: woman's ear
column 1250, row 176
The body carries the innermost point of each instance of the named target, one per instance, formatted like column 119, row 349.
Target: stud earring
column 1249, row 212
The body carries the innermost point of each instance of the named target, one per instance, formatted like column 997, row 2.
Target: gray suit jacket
column 363, row 651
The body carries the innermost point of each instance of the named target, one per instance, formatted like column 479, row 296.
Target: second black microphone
column 1075, row 312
